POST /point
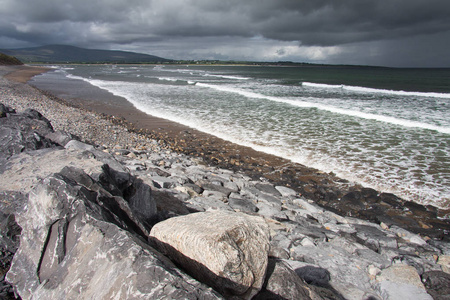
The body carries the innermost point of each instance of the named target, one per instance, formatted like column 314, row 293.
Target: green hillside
column 9, row 60
column 71, row 54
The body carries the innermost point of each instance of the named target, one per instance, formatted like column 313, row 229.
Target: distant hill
column 71, row 54
column 9, row 60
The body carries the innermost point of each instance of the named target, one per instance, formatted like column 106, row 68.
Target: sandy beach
column 121, row 126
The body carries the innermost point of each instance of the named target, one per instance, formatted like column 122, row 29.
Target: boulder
column 226, row 250
column 401, row 281
column 20, row 132
column 79, row 241
column 437, row 284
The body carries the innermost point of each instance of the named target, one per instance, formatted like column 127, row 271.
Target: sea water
column 388, row 129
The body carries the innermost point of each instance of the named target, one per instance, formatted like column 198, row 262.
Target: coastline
column 325, row 189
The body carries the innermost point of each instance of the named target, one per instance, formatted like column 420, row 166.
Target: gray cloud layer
column 381, row 32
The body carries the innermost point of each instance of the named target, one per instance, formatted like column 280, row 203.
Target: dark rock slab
column 80, row 241
column 243, row 205
column 437, row 284
column 283, row 283
column 21, row 132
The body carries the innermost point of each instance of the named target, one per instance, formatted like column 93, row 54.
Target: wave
column 168, row 79
column 227, row 77
column 306, row 104
column 361, row 89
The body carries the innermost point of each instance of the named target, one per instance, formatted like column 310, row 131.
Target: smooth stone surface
column 227, row 250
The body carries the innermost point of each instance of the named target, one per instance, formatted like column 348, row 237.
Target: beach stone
column 437, row 284
column 83, row 243
column 169, row 204
column 61, row 137
column 226, row 250
column 197, row 189
column 20, row 132
column 217, row 188
column 10, row 203
column 317, row 278
column 285, row 191
column 5, row 110
column 77, row 145
column 444, row 261
column 23, row 171
column 308, row 206
column 243, row 205
column 268, row 189
column 218, row 196
column 232, row 186
column 283, row 283
column 267, row 210
column 401, row 281
column 250, row 192
column 347, row 272
column 407, row 235
column 164, row 182
column 378, row 260
column 374, row 238
column 198, row 204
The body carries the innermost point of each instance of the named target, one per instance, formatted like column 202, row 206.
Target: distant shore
column 325, row 189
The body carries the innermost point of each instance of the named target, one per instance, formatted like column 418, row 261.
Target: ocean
column 384, row 128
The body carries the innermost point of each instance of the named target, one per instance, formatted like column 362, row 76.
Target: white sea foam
column 168, row 79
column 372, row 90
column 227, row 76
column 369, row 166
column 348, row 112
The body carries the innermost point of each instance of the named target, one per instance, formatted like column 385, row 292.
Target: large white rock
column 227, row 250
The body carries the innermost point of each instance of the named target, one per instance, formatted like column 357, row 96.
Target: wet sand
column 23, row 74
column 327, row 190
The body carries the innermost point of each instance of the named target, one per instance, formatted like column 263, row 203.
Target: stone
column 378, row 260
column 308, row 206
column 243, row 205
column 3, row 110
column 77, row 145
column 407, row 235
column 84, row 243
column 444, row 261
column 23, row 171
column 61, row 137
column 226, row 250
column 268, row 189
column 283, row 283
column 401, row 281
column 316, row 278
column 164, row 182
column 374, row 238
column 267, row 210
column 217, row 188
column 21, row 132
column 285, row 191
column 437, row 284
column 199, row 204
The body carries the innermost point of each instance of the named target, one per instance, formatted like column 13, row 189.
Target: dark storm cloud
column 318, row 25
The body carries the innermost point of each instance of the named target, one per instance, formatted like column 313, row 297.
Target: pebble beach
column 363, row 243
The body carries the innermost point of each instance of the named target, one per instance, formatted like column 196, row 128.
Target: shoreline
column 327, row 190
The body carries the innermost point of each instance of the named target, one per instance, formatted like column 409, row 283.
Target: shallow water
column 385, row 128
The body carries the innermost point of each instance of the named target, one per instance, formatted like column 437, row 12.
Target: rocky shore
column 92, row 207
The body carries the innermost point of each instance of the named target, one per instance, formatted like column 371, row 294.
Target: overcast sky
column 400, row 33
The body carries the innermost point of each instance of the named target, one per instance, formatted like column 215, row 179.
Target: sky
column 396, row 33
